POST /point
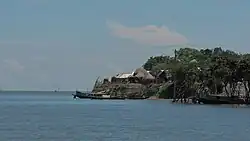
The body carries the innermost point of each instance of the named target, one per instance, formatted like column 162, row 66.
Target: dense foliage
column 214, row 70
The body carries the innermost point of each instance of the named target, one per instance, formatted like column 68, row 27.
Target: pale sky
column 67, row 44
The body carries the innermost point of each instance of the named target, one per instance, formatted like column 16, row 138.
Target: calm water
column 45, row 116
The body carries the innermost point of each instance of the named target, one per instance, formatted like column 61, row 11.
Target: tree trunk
column 246, row 89
column 225, row 86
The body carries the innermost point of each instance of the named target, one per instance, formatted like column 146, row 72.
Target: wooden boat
column 99, row 96
column 82, row 95
column 221, row 100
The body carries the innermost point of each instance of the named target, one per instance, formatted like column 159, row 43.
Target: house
column 123, row 75
column 140, row 75
column 121, row 78
column 163, row 76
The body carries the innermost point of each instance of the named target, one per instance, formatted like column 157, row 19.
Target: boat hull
column 81, row 95
column 221, row 100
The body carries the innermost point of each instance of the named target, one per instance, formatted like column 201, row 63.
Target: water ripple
column 57, row 117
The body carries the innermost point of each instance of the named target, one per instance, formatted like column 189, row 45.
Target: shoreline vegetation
column 189, row 73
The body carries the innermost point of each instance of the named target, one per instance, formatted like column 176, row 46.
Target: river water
column 49, row 116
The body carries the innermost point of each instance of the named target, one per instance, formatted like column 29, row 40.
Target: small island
column 190, row 73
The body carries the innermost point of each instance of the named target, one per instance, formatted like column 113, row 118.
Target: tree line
column 205, row 71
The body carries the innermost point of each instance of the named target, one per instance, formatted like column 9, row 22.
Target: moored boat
column 81, row 95
column 99, row 96
column 217, row 99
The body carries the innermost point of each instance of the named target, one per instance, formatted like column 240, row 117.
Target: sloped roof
column 161, row 72
column 142, row 73
column 123, row 75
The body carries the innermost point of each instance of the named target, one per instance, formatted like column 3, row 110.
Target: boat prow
column 81, row 95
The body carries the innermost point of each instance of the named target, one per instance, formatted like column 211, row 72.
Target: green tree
column 215, row 69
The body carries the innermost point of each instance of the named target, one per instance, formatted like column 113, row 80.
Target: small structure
column 142, row 76
column 121, row 78
column 142, row 73
column 124, row 75
column 162, row 76
column 106, row 81
column 154, row 74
